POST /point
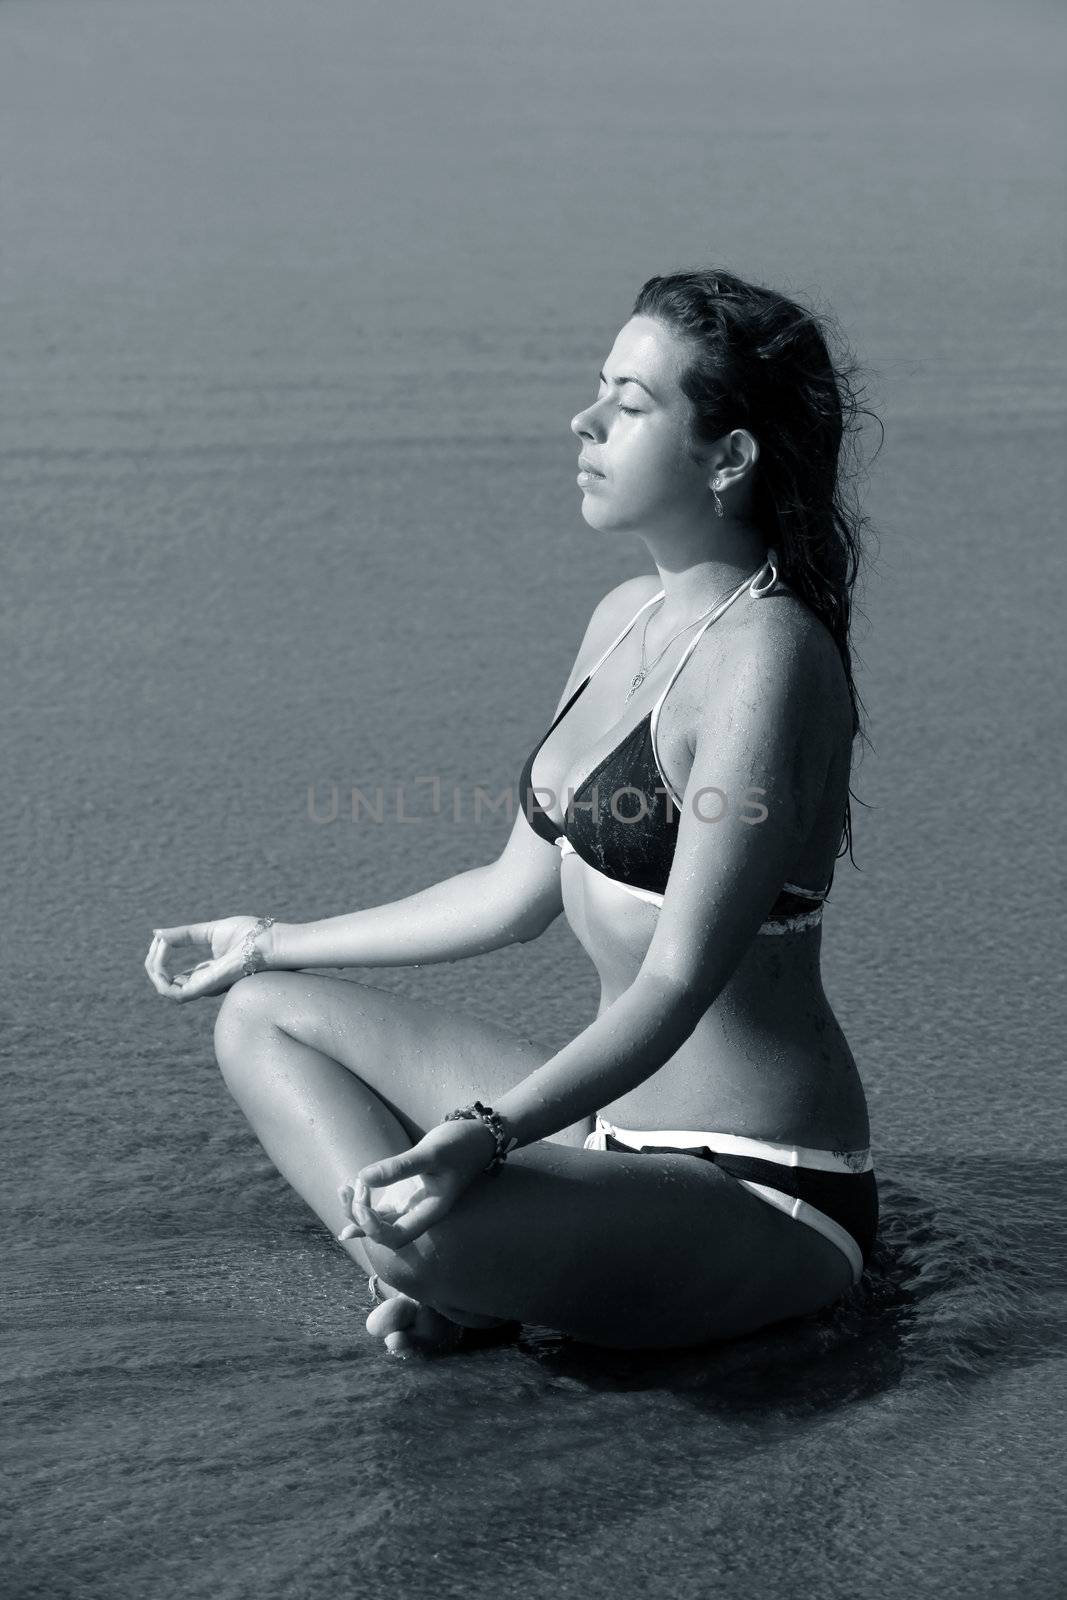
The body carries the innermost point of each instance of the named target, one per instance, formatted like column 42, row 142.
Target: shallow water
column 296, row 302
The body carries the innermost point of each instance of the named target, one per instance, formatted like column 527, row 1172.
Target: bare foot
column 410, row 1328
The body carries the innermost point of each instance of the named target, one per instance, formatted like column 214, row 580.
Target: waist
column 796, row 1085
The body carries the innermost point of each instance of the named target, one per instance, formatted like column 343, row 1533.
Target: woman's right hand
column 200, row 958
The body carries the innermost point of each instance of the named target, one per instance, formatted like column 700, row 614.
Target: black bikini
column 630, row 784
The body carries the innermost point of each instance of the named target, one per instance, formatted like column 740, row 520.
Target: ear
column 731, row 458
column 748, row 444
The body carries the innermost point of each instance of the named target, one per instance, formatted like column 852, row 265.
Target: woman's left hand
column 418, row 1187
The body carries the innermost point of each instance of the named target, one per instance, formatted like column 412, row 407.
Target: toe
column 392, row 1315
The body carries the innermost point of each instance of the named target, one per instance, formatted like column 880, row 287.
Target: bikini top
column 623, row 818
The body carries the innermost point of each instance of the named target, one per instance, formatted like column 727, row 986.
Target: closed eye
column 630, row 411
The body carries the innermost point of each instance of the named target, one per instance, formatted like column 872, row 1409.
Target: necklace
column 642, row 672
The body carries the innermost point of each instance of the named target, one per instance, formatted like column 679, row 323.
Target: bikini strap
column 620, row 637
column 757, row 590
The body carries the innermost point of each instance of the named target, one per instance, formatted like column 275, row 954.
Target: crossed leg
column 619, row 1250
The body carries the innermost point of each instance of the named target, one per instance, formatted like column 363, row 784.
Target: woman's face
column 637, row 434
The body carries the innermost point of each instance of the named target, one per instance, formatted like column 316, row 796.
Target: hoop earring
column 719, row 512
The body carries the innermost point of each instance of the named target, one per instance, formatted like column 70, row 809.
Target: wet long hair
column 763, row 362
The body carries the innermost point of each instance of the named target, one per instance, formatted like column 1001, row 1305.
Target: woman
column 695, row 1164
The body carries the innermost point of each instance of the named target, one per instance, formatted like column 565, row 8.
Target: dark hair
column 762, row 362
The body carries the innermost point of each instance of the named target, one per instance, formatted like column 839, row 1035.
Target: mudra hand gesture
column 418, row 1187
column 200, row 958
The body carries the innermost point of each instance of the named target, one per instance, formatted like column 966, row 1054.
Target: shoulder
column 778, row 660
column 783, row 632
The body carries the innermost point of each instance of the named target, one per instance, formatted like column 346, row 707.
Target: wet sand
column 296, row 303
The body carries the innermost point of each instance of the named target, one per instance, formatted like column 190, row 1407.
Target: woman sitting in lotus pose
column 695, row 1164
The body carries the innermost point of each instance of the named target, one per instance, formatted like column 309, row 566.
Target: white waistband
column 785, row 1155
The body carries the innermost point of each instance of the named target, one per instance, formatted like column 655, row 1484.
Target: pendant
column 639, row 679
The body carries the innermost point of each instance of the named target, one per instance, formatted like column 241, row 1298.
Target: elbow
column 535, row 924
column 684, row 990
column 530, row 915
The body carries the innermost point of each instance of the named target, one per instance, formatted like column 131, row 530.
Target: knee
column 249, row 1006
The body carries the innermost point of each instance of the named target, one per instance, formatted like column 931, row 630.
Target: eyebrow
column 630, row 379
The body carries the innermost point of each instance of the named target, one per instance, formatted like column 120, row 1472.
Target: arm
column 467, row 915
column 510, row 901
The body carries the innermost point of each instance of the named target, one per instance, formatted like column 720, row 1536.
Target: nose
column 583, row 423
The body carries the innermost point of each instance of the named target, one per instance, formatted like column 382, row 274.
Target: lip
column 587, row 466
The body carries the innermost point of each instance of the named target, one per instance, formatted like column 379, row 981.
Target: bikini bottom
column 832, row 1191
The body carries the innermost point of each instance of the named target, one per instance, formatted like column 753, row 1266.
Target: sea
column 297, row 299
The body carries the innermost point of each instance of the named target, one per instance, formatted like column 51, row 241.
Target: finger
column 376, row 1229
column 201, row 981
column 161, row 986
column 351, row 1230
column 190, row 933
column 423, row 1214
column 172, row 941
column 160, row 954
column 392, row 1199
column 406, row 1164
column 198, row 980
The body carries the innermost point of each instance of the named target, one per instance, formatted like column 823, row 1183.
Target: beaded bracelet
column 504, row 1143
column 253, row 959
